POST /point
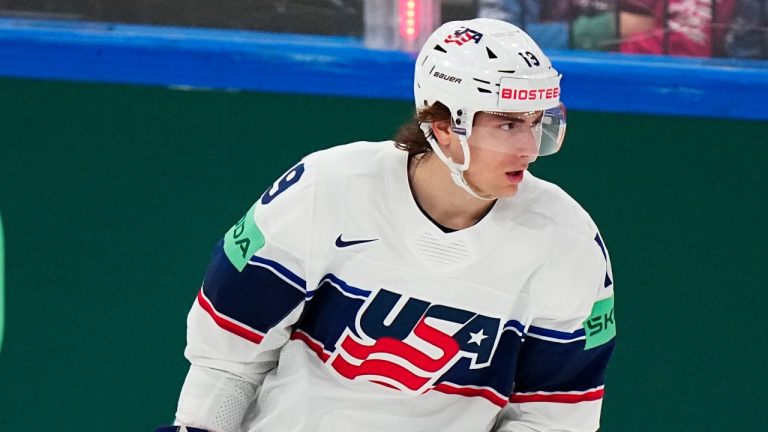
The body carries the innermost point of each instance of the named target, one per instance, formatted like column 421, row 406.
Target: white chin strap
column 457, row 170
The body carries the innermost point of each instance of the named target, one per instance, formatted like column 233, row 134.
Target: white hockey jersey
column 336, row 305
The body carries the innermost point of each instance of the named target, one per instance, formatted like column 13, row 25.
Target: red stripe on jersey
column 385, row 385
column 380, row 368
column 568, row 398
column 315, row 346
column 226, row 324
column 388, row 345
column 493, row 397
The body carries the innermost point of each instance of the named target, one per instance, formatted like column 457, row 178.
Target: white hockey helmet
column 492, row 66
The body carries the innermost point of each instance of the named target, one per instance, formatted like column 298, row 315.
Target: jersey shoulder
column 325, row 171
column 361, row 157
column 576, row 254
column 553, row 208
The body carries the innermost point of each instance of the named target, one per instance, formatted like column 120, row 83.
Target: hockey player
column 426, row 284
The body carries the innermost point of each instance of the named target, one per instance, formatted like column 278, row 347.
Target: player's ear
column 442, row 130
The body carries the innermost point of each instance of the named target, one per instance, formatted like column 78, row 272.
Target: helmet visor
column 535, row 133
column 553, row 130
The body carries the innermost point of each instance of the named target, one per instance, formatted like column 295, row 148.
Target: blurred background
column 702, row 28
column 133, row 134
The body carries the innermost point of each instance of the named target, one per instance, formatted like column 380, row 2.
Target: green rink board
column 113, row 197
column 2, row 285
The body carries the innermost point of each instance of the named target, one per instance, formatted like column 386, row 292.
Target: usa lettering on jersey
column 407, row 343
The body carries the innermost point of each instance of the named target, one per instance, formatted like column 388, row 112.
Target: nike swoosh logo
column 346, row 243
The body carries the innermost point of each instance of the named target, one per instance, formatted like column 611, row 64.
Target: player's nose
column 527, row 145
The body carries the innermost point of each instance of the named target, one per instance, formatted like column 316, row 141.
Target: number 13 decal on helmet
column 529, row 58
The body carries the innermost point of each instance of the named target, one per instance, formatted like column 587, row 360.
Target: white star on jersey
column 477, row 338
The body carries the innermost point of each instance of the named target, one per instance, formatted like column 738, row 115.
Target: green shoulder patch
column 243, row 240
column 600, row 327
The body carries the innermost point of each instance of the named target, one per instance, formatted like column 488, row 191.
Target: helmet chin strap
column 457, row 170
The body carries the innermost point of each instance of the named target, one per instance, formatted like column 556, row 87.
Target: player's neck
column 441, row 199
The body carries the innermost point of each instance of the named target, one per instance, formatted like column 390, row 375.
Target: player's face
column 501, row 147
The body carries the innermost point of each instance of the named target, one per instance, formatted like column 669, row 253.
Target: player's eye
column 507, row 126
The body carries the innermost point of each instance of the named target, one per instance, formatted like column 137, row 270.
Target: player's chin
column 508, row 191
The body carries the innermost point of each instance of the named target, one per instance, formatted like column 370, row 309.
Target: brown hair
column 411, row 138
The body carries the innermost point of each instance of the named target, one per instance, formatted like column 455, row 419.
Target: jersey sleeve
column 252, row 294
column 560, row 375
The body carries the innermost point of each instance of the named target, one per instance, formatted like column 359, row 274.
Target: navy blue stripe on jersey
column 558, row 336
column 498, row 378
column 228, row 324
column 330, row 311
column 602, row 246
column 515, row 325
column 280, row 269
column 542, row 332
column 342, row 286
column 600, row 243
column 259, row 297
column 546, row 366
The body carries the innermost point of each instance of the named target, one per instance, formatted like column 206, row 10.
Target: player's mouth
column 515, row 177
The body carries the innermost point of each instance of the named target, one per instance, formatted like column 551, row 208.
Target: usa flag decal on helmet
column 463, row 35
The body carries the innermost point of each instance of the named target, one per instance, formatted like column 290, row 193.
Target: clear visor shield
column 535, row 133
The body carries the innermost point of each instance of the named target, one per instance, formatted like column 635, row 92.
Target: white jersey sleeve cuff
column 214, row 400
